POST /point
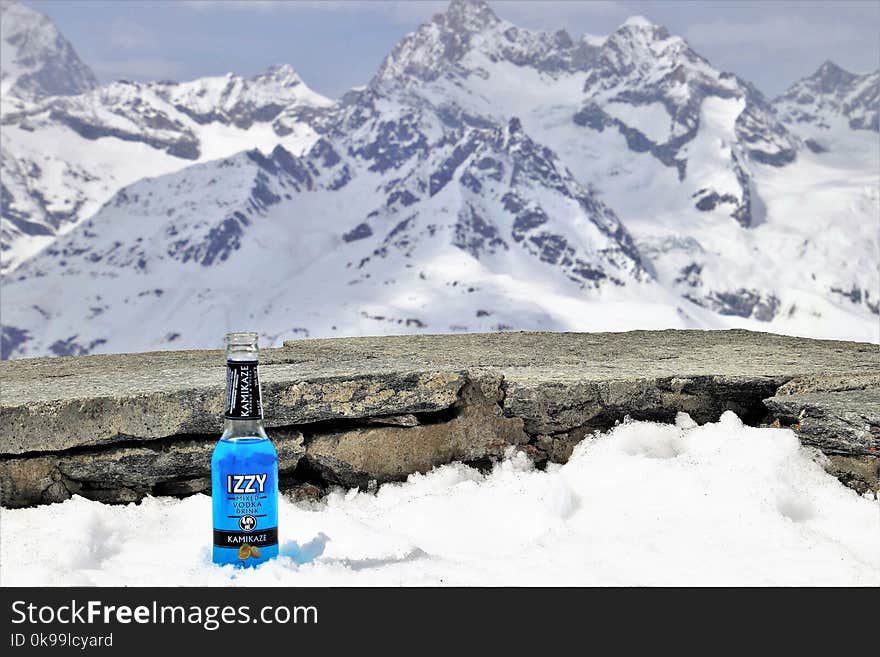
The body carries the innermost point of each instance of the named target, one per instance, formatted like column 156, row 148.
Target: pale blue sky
column 339, row 44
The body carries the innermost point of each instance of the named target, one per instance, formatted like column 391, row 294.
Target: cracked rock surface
column 355, row 411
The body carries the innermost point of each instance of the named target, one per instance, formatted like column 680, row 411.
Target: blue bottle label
column 246, row 506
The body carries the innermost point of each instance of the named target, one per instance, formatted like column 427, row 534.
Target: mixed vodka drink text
column 244, row 466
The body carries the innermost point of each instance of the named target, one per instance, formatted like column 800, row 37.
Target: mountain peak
column 442, row 42
column 831, row 93
column 639, row 35
column 639, row 28
column 638, row 21
column 37, row 61
column 829, row 66
column 470, row 15
column 445, row 45
column 830, row 76
column 283, row 74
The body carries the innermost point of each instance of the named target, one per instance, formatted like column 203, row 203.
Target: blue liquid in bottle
column 244, row 467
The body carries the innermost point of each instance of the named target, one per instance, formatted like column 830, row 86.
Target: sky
column 336, row 45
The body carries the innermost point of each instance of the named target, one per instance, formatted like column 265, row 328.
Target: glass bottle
column 244, row 466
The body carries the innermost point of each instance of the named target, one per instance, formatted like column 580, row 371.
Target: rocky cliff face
column 356, row 412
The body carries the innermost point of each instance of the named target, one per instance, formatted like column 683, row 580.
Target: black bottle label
column 253, row 538
column 243, row 400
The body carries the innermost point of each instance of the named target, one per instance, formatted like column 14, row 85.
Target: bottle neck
column 235, row 429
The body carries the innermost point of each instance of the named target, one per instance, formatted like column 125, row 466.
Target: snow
column 637, row 21
column 509, row 90
column 651, row 119
column 645, row 504
column 815, row 228
column 594, row 40
column 280, row 84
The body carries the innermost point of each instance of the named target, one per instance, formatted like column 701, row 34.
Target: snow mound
column 644, row 504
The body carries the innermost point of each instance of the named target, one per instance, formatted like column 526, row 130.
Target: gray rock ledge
column 360, row 411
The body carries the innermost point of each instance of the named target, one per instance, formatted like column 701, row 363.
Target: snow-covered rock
column 63, row 157
column 480, row 229
column 831, row 94
column 679, row 150
column 641, row 84
column 488, row 178
column 37, row 60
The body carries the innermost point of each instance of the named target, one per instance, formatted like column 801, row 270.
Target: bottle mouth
column 242, row 345
column 245, row 338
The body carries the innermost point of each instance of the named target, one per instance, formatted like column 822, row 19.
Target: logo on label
column 247, row 523
column 247, row 484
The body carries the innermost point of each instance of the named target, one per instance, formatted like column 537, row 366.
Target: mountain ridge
column 517, row 179
column 109, row 136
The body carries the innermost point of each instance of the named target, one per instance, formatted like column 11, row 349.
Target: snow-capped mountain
column 830, row 93
column 63, row 156
column 643, row 85
column 353, row 251
column 677, row 148
column 827, row 106
column 37, row 60
column 487, row 178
